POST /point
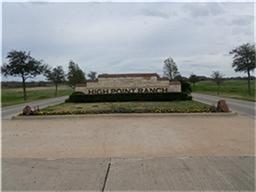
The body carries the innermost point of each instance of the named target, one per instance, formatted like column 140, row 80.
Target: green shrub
column 185, row 87
column 80, row 97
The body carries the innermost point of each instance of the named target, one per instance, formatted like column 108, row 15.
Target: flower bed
column 127, row 107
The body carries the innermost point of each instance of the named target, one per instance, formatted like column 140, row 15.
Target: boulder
column 222, row 106
column 27, row 110
column 36, row 109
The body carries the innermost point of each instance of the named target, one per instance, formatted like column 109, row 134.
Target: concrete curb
column 229, row 114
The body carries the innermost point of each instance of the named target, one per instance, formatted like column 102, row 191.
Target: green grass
column 127, row 107
column 230, row 88
column 12, row 96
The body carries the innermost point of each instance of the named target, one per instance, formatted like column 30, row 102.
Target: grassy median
column 127, row 107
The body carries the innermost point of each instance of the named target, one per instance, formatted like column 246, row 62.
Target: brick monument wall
column 129, row 81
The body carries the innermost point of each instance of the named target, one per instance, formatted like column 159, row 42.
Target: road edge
column 229, row 114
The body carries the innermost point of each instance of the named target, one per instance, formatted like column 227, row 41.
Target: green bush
column 185, row 87
column 80, row 97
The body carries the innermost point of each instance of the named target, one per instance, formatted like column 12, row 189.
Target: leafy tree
column 193, row 79
column 75, row 74
column 21, row 64
column 217, row 77
column 244, row 60
column 56, row 75
column 92, row 75
column 170, row 68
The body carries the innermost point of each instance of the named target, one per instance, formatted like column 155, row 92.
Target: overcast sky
column 130, row 37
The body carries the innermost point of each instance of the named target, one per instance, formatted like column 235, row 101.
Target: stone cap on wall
column 96, row 80
column 105, row 75
column 163, row 79
column 175, row 83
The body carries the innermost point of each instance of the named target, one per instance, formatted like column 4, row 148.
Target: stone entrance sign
column 129, row 83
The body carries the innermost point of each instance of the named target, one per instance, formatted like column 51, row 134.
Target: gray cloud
column 157, row 13
column 129, row 37
column 203, row 66
column 204, row 9
column 242, row 20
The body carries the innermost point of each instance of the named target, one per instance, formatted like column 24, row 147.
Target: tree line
column 243, row 61
column 22, row 64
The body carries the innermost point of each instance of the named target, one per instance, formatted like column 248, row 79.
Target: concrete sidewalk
column 137, row 174
column 182, row 173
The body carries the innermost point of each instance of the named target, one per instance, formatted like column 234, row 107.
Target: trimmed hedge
column 80, row 97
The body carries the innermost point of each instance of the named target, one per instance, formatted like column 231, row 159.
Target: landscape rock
column 213, row 108
column 222, row 106
column 27, row 110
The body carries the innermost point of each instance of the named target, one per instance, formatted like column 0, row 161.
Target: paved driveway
column 246, row 108
column 9, row 112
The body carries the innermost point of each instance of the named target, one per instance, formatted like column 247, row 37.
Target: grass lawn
column 12, row 96
column 230, row 88
column 126, row 107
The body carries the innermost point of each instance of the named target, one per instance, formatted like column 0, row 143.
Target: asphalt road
column 9, row 112
column 246, row 108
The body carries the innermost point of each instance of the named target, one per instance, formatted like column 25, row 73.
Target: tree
column 244, row 60
column 179, row 77
column 21, row 64
column 92, row 75
column 170, row 68
column 75, row 74
column 193, row 79
column 217, row 77
column 56, row 75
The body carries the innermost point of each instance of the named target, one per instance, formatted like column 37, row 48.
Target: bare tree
column 170, row 68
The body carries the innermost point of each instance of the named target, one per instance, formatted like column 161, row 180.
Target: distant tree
column 75, row 74
column 203, row 78
column 170, row 68
column 217, row 77
column 55, row 75
column 92, row 75
column 194, row 79
column 21, row 64
column 179, row 77
column 244, row 60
